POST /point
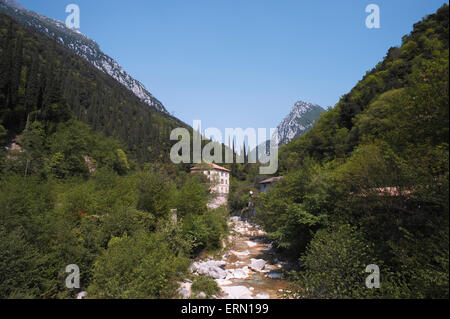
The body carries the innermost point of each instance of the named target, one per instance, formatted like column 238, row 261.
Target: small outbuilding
column 268, row 183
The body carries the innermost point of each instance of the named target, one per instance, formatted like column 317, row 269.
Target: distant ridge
column 300, row 119
column 81, row 45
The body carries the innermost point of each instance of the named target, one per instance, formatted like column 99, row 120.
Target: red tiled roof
column 391, row 191
column 271, row 180
column 211, row 166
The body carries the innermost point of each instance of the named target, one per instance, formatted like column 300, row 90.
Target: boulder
column 201, row 295
column 211, row 268
column 251, row 243
column 185, row 289
column 257, row 264
column 274, row 275
column 237, row 292
column 82, row 295
column 238, row 273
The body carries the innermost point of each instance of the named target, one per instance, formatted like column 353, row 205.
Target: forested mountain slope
column 81, row 45
column 69, row 195
column 424, row 50
column 42, row 80
column 368, row 184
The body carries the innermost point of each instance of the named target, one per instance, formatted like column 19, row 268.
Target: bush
column 295, row 207
column 140, row 266
column 156, row 191
column 240, row 197
column 205, row 231
column 334, row 265
column 206, row 285
column 193, row 196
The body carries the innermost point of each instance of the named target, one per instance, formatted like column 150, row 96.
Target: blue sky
column 242, row 63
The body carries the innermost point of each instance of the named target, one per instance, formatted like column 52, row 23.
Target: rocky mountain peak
column 300, row 119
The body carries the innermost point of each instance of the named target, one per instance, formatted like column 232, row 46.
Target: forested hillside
column 85, row 179
column 424, row 50
column 44, row 81
column 81, row 45
column 369, row 183
column 71, row 191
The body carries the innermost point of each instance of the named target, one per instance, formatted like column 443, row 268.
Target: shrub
column 205, row 231
column 155, row 193
column 334, row 265
column 206, row 285
column 140, row 266
column 193, row 196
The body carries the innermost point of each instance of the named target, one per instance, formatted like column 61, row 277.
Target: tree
column 334, row 265
column 156, row 191
column 193, row 196
column 141, row 266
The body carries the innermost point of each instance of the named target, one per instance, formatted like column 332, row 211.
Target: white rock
column 262, row 296
column 212, row 268
column 251, row 243
column 238, row 273
column 237, row 292
column 202, row 295
column 223, row 282
column 185, row 289
column 274, row 275
column 240, row 253
column 81, row 295
column 257, row 264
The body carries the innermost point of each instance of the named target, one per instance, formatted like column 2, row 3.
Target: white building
column 218, row 175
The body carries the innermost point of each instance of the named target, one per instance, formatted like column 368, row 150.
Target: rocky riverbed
column 248, row 269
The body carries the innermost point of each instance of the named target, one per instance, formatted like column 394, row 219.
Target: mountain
column 423, row 51
column 378, row 163
column 43, row 81
column 300, row 119
column 14, row 4
column 81, row 45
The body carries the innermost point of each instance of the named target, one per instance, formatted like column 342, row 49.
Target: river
column 248, row 268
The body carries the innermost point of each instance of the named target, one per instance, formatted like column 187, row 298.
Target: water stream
column 248, row 269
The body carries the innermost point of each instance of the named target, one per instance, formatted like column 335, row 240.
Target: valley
column 92, row 178
column 248, row 269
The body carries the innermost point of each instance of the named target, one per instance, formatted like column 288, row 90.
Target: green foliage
column 205, row 231
column 95, row 223
column 193, row 196
column 376, row 163
column 295, row 207
column 46, row 82
column 20, row 265
column 141, row 266
column 205, row 284
column 239, row 196
column 156, row 192
column 121, row 164
column 334, row 265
